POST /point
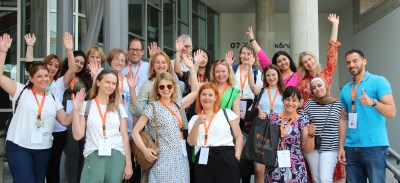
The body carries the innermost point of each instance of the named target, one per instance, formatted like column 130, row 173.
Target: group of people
column 197, row 111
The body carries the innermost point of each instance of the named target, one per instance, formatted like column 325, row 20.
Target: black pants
column 53, row 169
column 73, row 151
column 222, row 166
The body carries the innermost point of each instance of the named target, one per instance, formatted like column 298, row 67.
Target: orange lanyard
column 72, row 86
column 354, row 93
column 40, row 106
column 283, row 129
column 271, row 102
column 242, row 82
column 200, row 78
column 121, row 88
column 206, row 127
column 137, row 70
column 103, row 118
column 176, row 116
column 223, row 91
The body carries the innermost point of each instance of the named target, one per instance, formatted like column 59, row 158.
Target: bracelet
column 251, row 40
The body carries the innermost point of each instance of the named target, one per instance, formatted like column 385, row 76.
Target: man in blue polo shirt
column 366, row 103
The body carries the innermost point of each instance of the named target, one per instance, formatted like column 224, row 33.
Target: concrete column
column 115, row 24
column 64, row 24
column 303, row 27
column 265, row 25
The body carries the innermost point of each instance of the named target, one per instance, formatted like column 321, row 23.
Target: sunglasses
column 162, row 87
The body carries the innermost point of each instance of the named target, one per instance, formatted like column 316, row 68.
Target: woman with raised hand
column 107, row 151
column 270, row 100
column 262, row 56
column 287, row 66
column 171, row 162
column 57, row 86
column 202, row 65
column 295, row 137
column 323, row 111
column 210, row 130
column 309, row 67
column 29, row 138
column 223, row 75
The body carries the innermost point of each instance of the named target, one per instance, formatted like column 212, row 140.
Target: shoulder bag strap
column 326, row 119
column 155, row 123
column 229, row 97
column 19, row 96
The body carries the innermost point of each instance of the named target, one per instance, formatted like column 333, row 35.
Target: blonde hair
column 155, row 95
column 113, row 102
column 301, row 71
column 231, row 75
column 98, row 49
column 115, row 52
column 152, row 72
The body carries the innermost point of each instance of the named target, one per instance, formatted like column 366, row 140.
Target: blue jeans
column 366, row 162
column 27, row 165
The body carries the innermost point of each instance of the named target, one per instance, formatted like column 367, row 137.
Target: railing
column 391, row 167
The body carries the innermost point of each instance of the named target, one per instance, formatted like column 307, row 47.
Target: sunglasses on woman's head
column 162, row 87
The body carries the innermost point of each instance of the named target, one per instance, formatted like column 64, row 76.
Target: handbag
column 318, row 138
column 149, row 143
column 262, row 142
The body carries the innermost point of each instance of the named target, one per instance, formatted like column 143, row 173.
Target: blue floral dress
column 297, row 173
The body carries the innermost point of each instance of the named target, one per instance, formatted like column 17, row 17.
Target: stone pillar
column 64, row 24
column 303, row 27
column 265, row 25
column 115, row 24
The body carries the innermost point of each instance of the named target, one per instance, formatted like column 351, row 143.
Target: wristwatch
column 375, row 102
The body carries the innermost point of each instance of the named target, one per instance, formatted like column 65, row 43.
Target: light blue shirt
column 264, row 101
column 371, row 129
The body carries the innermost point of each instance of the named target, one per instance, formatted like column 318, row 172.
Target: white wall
column 380, row 44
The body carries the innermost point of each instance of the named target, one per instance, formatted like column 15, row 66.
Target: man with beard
column 363, row 141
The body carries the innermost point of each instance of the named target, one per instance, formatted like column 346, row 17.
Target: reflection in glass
column 81, row 32
column 183, row 29
column 368, row 4
column 199, row 8
column 135, row 21
column 213, row 33
column 82, row 6
column 198, row 32
column 153, row 24
column 183, row 10
column 169, row 23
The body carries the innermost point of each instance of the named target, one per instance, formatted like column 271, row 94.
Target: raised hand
column 78, row 99
column 198, row 56
column 333, row 18
column 229, row 57
column 201, row 119
column 132, row 81
column 68, row 41
column 187, row 61
column 153, row 48
column 30, row 39
column 5, row 42
column 365, row 99
column 179, row 45
column 249, row 33
column 94, row 68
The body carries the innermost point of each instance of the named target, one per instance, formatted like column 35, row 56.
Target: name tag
column 183, row 147
column 68, row 107
column 37, row 135
column 104, row 147
column 203, row 159
column 284, row 159
column 243, row 108
column 352, row 120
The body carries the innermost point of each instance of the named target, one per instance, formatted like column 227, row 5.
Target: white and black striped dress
column 318, row 114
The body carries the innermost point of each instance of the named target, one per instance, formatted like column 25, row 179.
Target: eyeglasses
column 162, row 87
column 135, row 50
column 187, row 46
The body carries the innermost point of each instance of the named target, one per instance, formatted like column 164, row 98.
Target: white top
column 57, row 88
column 142, row 74
column 247, row 93
column 94, row 130
column 24, row 119
column 219, row 133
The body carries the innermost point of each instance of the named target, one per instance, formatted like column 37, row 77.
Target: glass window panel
column 201, row 10
column 135, row 21
column 153, row 24
column 82, row 6
column 81, row 32
column 155, row 2
column 183, row 29
column 169, row 23
column 53, row 33
column 212, row 33
column 198, row 32
column 53, row 4
column 183, row 13
column 9, row 26
column 8, row 3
